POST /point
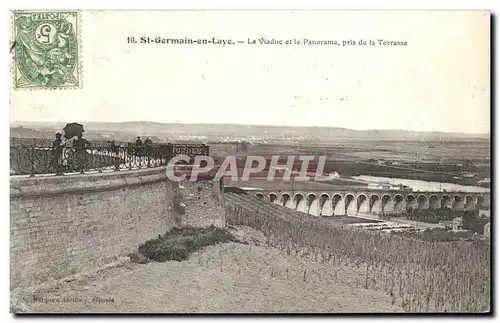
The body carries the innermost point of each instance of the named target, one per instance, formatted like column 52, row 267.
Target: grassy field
column 351, row 157
column 405, row 150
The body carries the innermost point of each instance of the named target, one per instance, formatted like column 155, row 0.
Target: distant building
column 335, row 174
column 487, row 229
column 458, row 223
column 446, row 224
column 484, row 213
column 375, row 186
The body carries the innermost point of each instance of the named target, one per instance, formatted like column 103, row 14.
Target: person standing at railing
column 138, row 146
column 80, row 142
column 115, row 152
column 114, row 147
column 58, row 141
column 138, row 150
column 67, row 153
column 57, row 153
column 80, row 145
column 148, row 147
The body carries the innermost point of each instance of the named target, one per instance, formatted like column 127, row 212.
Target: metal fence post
column 33, row 169
column 117, row 159
column 100, row 158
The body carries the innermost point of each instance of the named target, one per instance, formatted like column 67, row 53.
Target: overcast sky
column 439, row 82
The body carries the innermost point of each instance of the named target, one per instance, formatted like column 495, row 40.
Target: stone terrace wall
column 60, row 226
column 199, row 203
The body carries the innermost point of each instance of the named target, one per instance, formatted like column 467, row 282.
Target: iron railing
column 35, row 159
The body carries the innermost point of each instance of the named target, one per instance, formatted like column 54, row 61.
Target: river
column 418, row 185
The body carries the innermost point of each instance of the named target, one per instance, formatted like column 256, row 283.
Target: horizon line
column 263, row 125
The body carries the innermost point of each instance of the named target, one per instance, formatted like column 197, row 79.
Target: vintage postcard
column 272, row 161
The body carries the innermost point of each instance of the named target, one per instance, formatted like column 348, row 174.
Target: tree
column 472, row 221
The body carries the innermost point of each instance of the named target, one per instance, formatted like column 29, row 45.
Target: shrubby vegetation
column 473, row 222
column 179, row 243
column 437, row 235
column 471, row 219
column 432, row 215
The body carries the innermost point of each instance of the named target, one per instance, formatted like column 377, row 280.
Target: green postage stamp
column 46, row 49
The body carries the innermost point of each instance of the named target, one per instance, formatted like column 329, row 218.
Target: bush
column 433, row 215
column 439, row 234
column 473, row 222
column 179, row 243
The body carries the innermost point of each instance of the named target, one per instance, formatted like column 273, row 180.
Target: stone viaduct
column 358, row 201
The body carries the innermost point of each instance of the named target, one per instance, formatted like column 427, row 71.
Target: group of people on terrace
column 61, row 141
column 80, row 142
column 145, row 147
column 60, row 147
column 72, row 152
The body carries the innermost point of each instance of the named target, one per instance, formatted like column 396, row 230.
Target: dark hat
column 58, row 135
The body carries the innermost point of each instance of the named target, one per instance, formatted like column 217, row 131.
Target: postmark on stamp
column 46, row 49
